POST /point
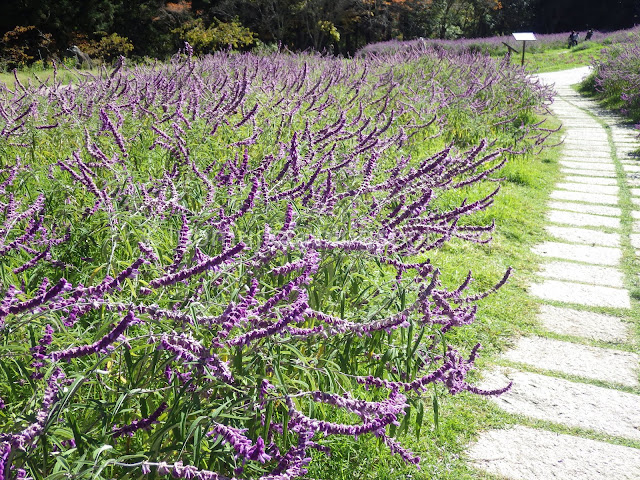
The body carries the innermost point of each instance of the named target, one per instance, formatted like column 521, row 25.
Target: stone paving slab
column 568, row 403
column 563, row 108
column 635, row 192
column 595, row 156
column 590, row 173
column 581, row 294
column 579, row 253
column 598, row 151
column 599, row 198
column 591, row 274
column 584, row 160
column 582, row 219
column 577, row 120
column 587, row 138
column 627, row 153
column 524, row 453
column 577, row 144
column 591, row 180
column 584, row 208
column 581, row 187
column 605, row 167
column 635, row 214
column 573, row 115
column 585, row 324
column 631, row 168
column 594, row 363
column 635, row 240
column 572, row 133
column 635, row 201
column 584, row 236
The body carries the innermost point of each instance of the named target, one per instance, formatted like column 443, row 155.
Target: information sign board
column 524, row 36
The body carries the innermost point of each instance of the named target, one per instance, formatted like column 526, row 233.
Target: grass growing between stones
column 630, row 266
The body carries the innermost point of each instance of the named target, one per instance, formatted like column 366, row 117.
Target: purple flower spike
column 136, row 425
column 5, row 450
column 170, row 279
column 257, row 452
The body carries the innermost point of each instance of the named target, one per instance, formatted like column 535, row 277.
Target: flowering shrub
column 214, row 37
column 204, row 261
column 616, row 77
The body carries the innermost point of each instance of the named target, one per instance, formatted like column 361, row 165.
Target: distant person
column 588, row 35
column 573, row 39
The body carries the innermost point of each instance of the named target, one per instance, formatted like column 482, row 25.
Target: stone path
column 570, row 382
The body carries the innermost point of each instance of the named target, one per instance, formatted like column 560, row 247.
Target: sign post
column 524, row 37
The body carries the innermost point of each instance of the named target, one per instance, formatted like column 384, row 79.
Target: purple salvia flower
column 57, row 289
column 107, row 124
column 257, row 452
column 5, row 450
column 396, row 448
column 148, row 252
column 241, row 444
column 183, row 243
column 182, row 346
column 188, row 49
column 136, row 425
column 96, row 347
column 21, row 474
column 108, row 284
column 27, row 436
column 178, row 470
column 170, row 279
column 32, row 263
column 293, row 314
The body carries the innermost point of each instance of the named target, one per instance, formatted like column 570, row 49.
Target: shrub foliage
column 210, row 265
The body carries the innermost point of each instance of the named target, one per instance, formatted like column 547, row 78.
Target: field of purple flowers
column 495, row 46
column 616, row 77
column 211, row 266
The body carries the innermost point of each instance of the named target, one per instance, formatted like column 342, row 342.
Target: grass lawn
column 35, row 76
column 552, row 60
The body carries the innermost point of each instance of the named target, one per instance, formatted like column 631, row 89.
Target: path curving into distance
column 580, row 375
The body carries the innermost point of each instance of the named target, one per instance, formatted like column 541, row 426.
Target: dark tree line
column 564, row 15
column 157, row 28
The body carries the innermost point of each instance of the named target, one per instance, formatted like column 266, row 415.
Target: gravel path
column 590, row 224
